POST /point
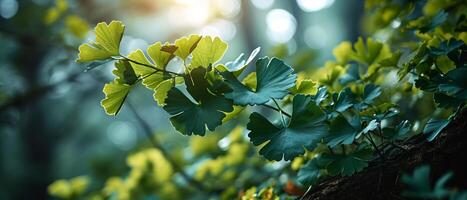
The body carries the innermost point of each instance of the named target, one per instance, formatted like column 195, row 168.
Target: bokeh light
column 314, row 5
column 281, row 25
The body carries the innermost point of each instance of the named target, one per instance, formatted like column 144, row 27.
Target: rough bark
column 381, row 180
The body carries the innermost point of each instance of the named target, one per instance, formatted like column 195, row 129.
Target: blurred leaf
column 433, row 127
column 238, row 65
column 420, row 184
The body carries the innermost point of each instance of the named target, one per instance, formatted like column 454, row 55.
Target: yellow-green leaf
column 107, row 44
column 115, row 95
column 186, row 45
column 161, row 54
column 160, row 93
column 306, row 87
column 342, row 52
column 146, row 70
column 208, row 51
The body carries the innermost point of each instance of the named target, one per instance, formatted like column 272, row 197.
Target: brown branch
column 381, row 179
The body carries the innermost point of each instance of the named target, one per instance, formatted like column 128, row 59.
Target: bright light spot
column 220, row 28
column 316, row 37
column 224, row 143
column 314, row 5
column 262, row 4
column 228, row 8
column 189, row 13
column 8, row 8
column 122, row 134
column 395, row 23
column 281, row 25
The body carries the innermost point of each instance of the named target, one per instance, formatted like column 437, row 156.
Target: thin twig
column 151, row 66
column 156, row 144
column 280, row 112
column 374, row 146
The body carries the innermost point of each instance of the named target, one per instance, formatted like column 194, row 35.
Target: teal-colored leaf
column 401, row 131
column 305, row 130
column 273, row 77
column 342, row 131
column 310, row 173
column 433, row 127
column 350, row 163
column 344, row 100
column 190, row 117
column 420, row 185
column 370, row 93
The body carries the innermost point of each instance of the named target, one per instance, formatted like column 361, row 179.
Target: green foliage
column 107, row 44
column 342, row 114
column 273, row 77
column 305, row 130
column 420, row 187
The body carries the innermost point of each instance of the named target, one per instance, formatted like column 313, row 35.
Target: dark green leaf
column 433, row 127
column 274, row 78
column 342, row 131
column 208, row 110
column 305, row 130
column 348, row 164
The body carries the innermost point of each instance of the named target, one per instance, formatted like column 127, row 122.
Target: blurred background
column 51, row 122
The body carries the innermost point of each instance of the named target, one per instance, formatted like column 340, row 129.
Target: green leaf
column 190, row 117
column 238, row 65
column 342, row 131
column 208, row 52
column 420, row 184
column 117, row 90
column 273, row 77
column 349, row 164
column 342, row 52
column 372, row 125
column 305, row 87
column 124, row 73
column 107, row 44
column 310, row 173
column 115, row 95
column 161, row 91
column 146, row 70
column 370, row 93
column 161, row 54
column 434, row 127
column 186, row 45
column 369, row 53
column 305, row 130
column 399, row 132
column 344, row 100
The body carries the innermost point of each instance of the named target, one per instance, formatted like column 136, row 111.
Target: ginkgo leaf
column 401, row 131
column 161, row 91
column 186, row 45
column 370, row 93
column 117, row 90
column 343, row 131
column 350, row 163
column 343, row 100
column 342, row 52
column 238, row 65
column 146, row 70
column 434, row 127
column 161, row 54
column 115, row 95
column 273, row 77
column 310, row 173
column 305, row 87
column 305, row 130
column 208, row 110
column 107, row 44
column 371, row 52
column 208, row 51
